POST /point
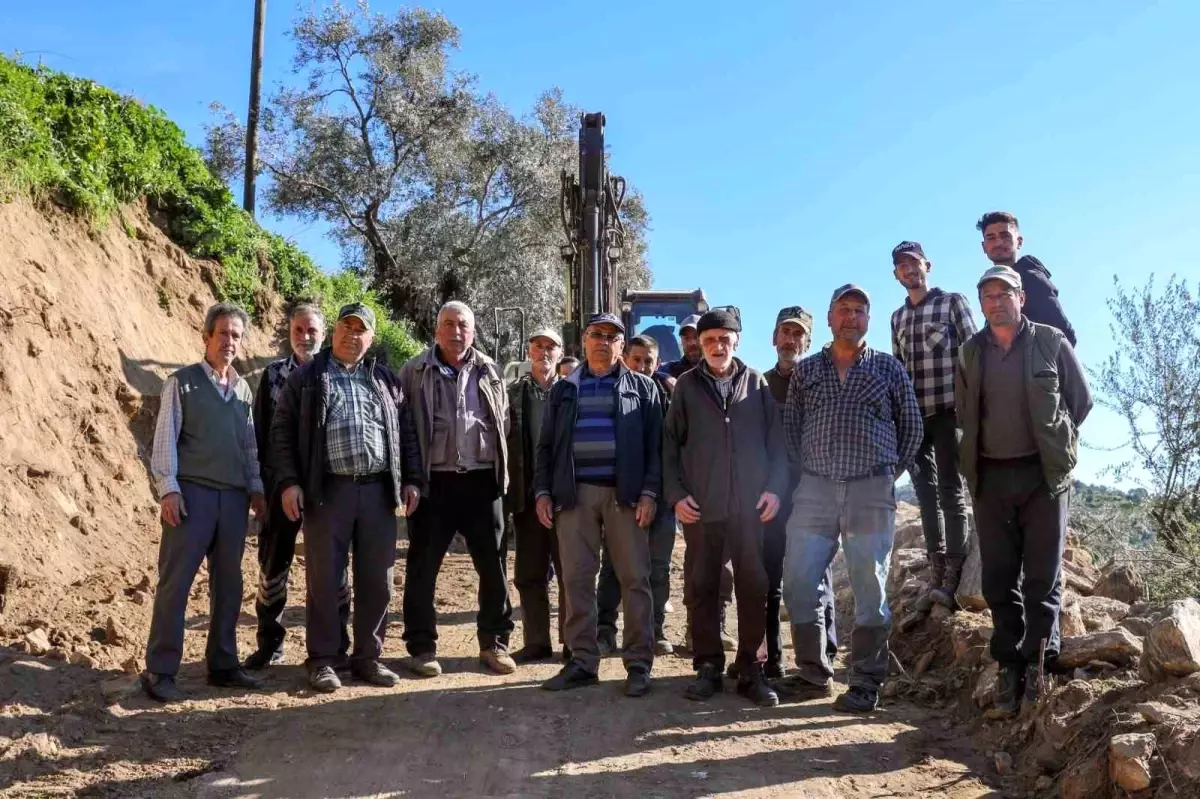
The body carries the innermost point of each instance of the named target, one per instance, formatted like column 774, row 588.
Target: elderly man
column 724, row 469
column 599, row 474
column 927, row 332
column 1021, row 396
column 537, row 546
column 853, row 424
column 344, row 453
column 205, row 468
column 461, row 411
column 277, row 536
column 690, row 340
column 791, row 339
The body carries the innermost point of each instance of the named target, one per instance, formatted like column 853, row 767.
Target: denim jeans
column 862, row 514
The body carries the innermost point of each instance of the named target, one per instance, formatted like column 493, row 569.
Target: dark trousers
column 939, row 486
column 467, row 503
column 276, row 551
column 1022, row 532
column 741, row 537
column 774, row 547
column 608, row 592
column 537, row 552
column 214, row 529
column 689, row 567
column 359, row 520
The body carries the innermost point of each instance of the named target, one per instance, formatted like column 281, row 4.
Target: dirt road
column 467, row 733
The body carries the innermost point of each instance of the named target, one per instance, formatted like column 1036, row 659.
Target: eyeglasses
column 611, row 338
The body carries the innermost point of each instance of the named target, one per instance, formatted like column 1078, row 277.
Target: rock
column 1043, row 783
column 1004, row 763
column 985, row 687
column 1159, row 713
column 37, row 641
column 140, row 597
column 1184, row 753
column 940, row 613
column 1114, row 646
column 131, row 665
column 971, row 642
column 911, row 621
column 1080, row 577
column 923, row 662
column 1172, row 647
column 1070, row 621
column 905, row 564
column 116, row 634
column 970, row 586
column 909, row 536
column 1120, row 581
column 119, row 688
column 84, row 660
column 1078, row 555
column 1086, row 780
column 57, row 653
column 1137, row 625
column 890, row 690
column 39, row 743
column 1129, row 760
column 34, row 349
column 1101, row 613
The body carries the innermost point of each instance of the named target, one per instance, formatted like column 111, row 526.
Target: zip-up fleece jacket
column 723, row 456
column 1041, row 297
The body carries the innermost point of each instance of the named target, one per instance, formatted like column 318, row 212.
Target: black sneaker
column 797, row 688
column 570, row 676
column 375, row 673
column 263, row 657
column 708, row 682
column 637, row 682
column 324, row 679
column 733, row 671
column 773, row 670
column 233, row 678
column 532, row 653
column 1009, row 689
column 857, row 700
column 606, row 637
column 161, row 687
column 754, row 687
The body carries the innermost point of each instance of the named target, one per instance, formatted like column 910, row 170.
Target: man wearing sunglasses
column 599, row 476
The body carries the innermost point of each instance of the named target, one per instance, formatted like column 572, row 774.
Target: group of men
column 597, row 463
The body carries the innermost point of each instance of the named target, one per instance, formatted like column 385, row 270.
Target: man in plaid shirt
column 852, row 425
column 927, row 331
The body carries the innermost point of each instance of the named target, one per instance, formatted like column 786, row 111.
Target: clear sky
column 785, row 147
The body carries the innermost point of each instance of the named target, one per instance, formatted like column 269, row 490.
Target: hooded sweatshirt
column 1041, row 296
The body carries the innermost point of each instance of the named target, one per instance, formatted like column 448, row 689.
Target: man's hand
column 545, row 511
column 412, row 497
column 768, row 503
column 645, row 511
column 173, row 509
column 258, row 506
column 687, row 510
column 293, row 502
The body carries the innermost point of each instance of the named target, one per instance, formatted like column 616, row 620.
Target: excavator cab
column 658, row 314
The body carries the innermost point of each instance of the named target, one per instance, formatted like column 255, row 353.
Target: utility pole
column 260, row 12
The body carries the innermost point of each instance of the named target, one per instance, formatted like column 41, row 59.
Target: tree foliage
column 434, row 190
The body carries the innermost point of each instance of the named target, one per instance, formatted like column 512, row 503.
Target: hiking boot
column 1035, row 686
column 797, row 688
column 1008, row 692
column 161, row 687
column 734, row 670
column 532, row 653
column 233, row 678
column 755, row 688
column 708, row 682
column 773, row 669
column 425, row 665
column 570, row 676
column 375, row 673
column 341, row 662
column 606, row 637
column 943, row 592
column 637, row 682
column 662, row 646
column 497, row 660
column 937, row 575
column 263, row 657
column 857, row 700
column 324, row 679
column 728, row 642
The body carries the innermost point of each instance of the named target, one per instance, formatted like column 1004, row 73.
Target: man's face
column 307, row 333
column 641, row 359
column 1001, row 243
column 912, row 271
column 718, row 347
column 690, row 340
column 791, row 341
column 455, row 332
column 848, row 319
column 222, row 345
column 1001, row 303
column 602, row 346
column 544, row 354
column 351, row 340
column 566, row 367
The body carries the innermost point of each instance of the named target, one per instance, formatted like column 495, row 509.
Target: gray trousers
column 359, row 519
column 214, row 528
column 597, row 519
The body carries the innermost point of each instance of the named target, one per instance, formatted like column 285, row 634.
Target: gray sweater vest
column 212, row 441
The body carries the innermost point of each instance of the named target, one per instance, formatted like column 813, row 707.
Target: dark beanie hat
column 719, row 318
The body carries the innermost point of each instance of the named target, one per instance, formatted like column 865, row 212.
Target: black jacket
column 298, row 430
column 639, row 425
column 1041, row 297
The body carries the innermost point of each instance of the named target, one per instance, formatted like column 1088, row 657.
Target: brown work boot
column 497, row 660
column 944, row 591
column 937, row 575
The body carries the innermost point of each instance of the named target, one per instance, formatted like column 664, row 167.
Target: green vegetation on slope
column 92, row 150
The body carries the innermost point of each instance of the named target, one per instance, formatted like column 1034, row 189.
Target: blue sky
column 785, row 147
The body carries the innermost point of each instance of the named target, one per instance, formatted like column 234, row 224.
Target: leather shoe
column 497, row 661
column 800, row 689
column 637, row 682
column 532, row 653
column 857, row 700
column 424, row 665
column 570, row 676
column 755, row 688
column 324, row 679
column 263, row 657
column 375, row 673
column 708, row 682
column 161, row 687
column 233, row 678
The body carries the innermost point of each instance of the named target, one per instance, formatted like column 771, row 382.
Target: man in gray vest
column 460, row 408
column 344, row 454
column 205, row 468
column 1021, row 396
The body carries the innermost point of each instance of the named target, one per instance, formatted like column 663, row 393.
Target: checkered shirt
column 355, row 431
column 926, row 338
column 278, row 373
column 846, row 431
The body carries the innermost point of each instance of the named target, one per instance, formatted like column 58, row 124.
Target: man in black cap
column 927, row 332
column 599, row 476
column 689, row 339
column 725, row 467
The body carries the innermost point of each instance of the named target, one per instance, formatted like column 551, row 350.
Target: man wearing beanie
column 724, row 470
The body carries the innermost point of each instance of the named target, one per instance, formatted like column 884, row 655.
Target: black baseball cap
column 909, row 248
column 850, row 288
column 606, row 319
